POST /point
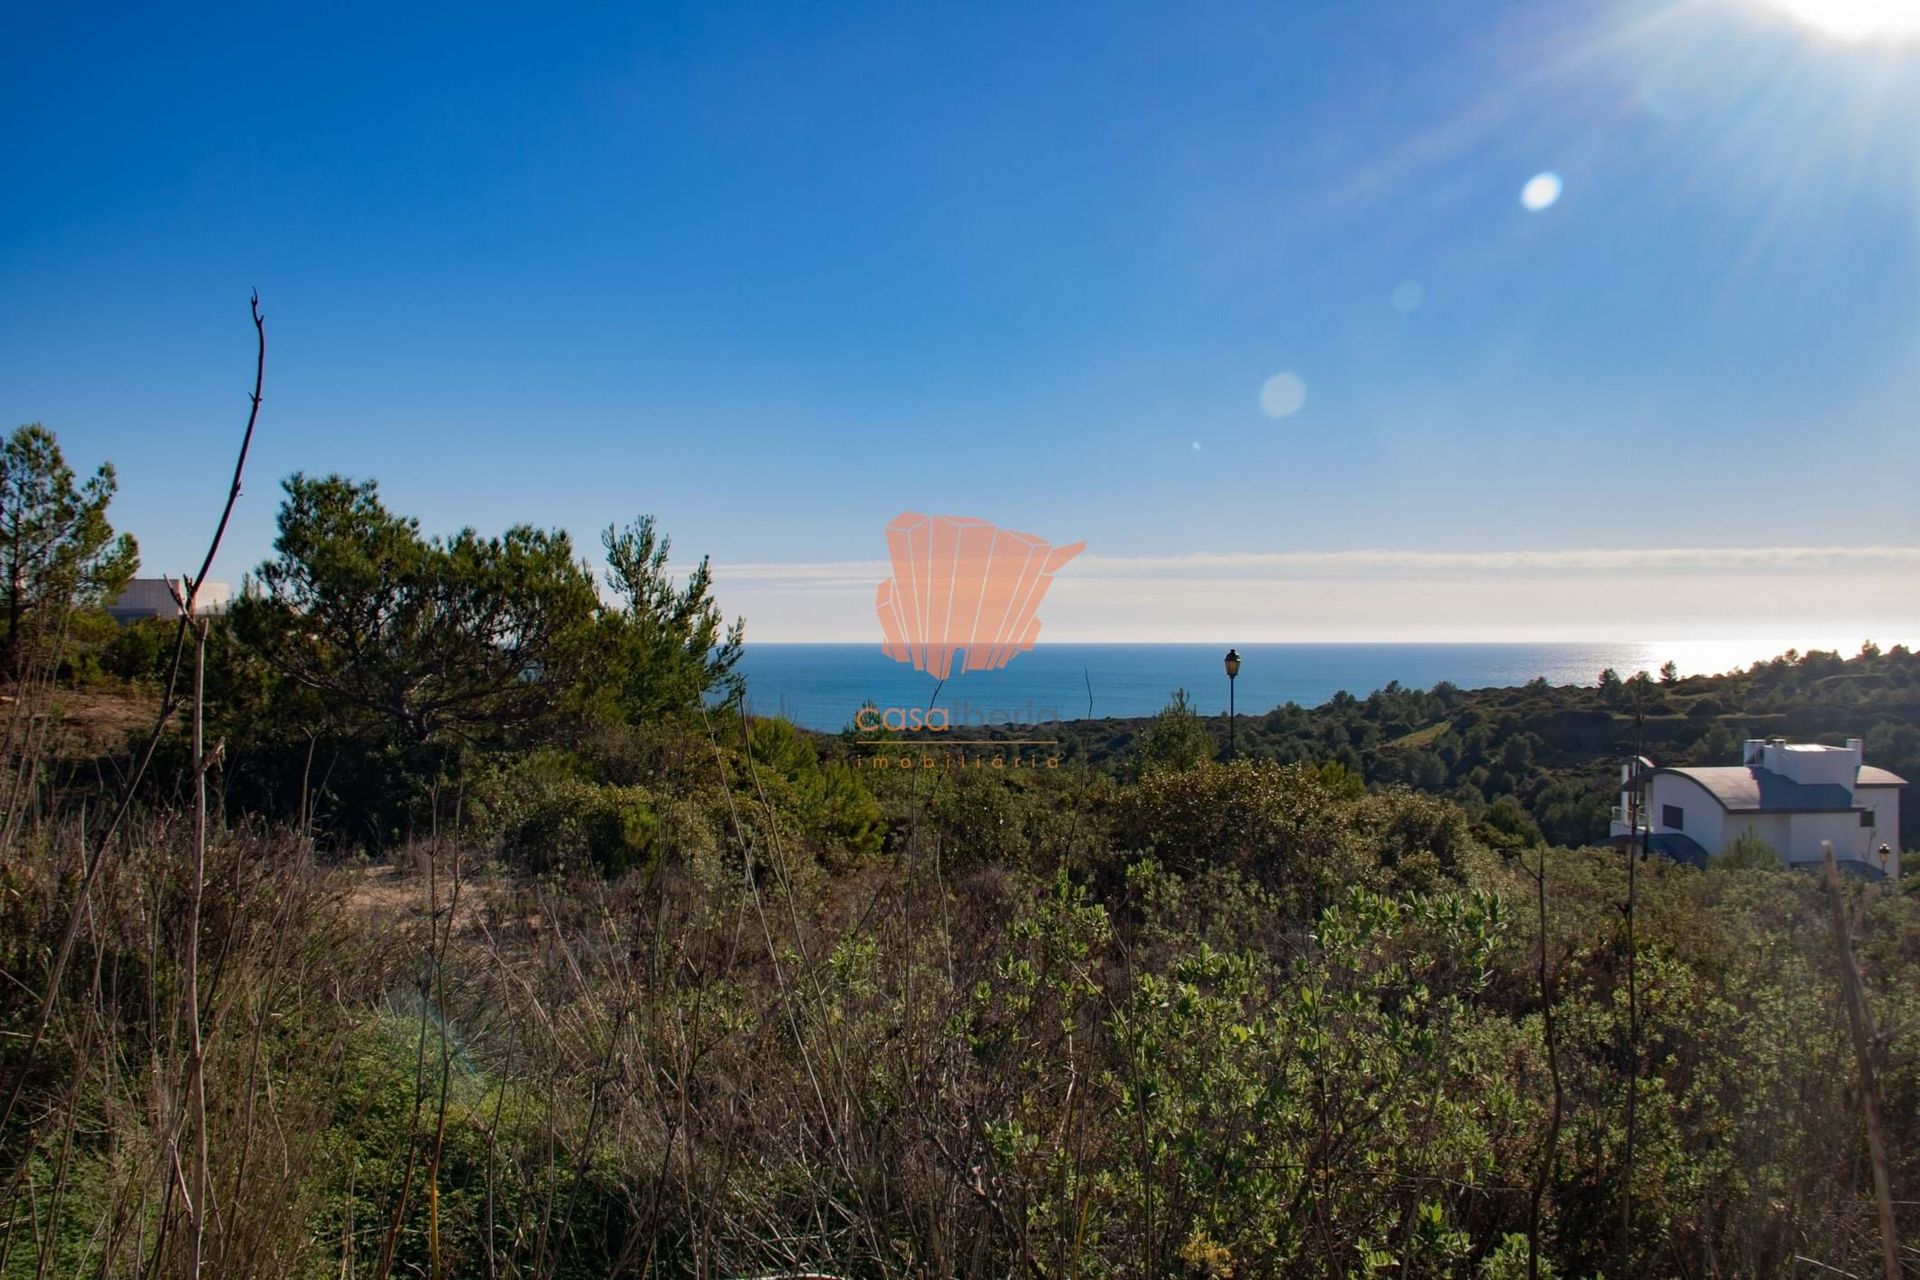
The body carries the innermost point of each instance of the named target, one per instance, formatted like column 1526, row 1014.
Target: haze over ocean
column 821, row 686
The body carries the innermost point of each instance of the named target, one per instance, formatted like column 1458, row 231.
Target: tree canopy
column 1176, row 737
column 410, row 638
column 669, row 644
column 58, row 547
column 371, row 660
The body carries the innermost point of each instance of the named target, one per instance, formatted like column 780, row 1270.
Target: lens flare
column 1541, row 191
column 1855, row 19
column 1283, row 395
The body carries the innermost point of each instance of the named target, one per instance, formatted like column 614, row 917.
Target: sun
column 1855, row 19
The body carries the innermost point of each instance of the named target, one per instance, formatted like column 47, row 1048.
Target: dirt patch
column 384, row 895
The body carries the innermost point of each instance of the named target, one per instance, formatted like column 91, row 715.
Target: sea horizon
column 821, row 685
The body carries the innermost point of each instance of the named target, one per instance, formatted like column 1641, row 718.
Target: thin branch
column 169, row 703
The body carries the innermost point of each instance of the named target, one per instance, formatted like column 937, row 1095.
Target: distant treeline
column 1541, row 761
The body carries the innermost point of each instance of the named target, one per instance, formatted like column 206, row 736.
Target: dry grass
column 93, row 722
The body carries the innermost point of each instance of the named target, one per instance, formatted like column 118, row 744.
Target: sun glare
column 1855, row 19
column 1541, row 191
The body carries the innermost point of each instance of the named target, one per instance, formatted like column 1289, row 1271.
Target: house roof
column 1750, row 789
column 1680, row 848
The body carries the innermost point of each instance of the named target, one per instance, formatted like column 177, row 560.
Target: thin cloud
column 1383, row 562
column 1385, row 594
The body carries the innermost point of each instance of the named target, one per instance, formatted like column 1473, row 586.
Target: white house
column 150, row 598
column 1792, row 795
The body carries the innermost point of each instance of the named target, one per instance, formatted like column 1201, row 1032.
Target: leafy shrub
column 1746, row 852
column 1282, row 825
column 980, row 820
column 1418, row 839
column 544, row 815
column 1508, row 817
column 140, row 651
column 1176, row 738
column 828, row 803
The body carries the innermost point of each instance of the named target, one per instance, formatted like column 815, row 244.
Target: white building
column 1792, row 795
column 150, row 598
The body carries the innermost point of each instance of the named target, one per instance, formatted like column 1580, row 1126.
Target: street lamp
column 1233, row 670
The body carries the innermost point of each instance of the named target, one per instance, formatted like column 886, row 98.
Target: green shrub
column 981, row 820
column 544, row 815
column 828, row 803
column 1282, row 825
column 1176, row 738
column 1746, row 852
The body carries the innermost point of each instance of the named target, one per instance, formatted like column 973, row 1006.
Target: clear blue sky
column 776, row 273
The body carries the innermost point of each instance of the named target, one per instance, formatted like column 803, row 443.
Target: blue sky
column 776, row 273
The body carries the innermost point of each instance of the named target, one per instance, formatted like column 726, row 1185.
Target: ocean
column 821, row 686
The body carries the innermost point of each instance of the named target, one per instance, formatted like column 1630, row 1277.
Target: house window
column 1866, row 817
column 1672, row 815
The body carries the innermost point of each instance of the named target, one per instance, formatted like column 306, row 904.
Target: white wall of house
column 1809, row 763
column 1795, row 836
column 1769, row 827
column 1807, row 831
column 1885, row 803
column 1701, row 814
column 151, row 598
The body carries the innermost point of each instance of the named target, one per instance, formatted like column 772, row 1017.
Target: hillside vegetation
column 476, row 933
column 1542, row 761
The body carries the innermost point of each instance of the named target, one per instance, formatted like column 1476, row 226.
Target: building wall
column 1702, row 813
column 1795, row 837
column 1810, row 763
column 150, row 598
column 1769, row 827
column 1808, row 830
column 1885, row 803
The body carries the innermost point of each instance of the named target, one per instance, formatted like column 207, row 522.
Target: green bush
column 981, row 820
column 1176, row 738
column 140, row 651
column 1746, row 852
column 828, row 803
column 1282, row 825
column 544, row 815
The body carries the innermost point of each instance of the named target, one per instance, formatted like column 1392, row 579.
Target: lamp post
column 1233, row 670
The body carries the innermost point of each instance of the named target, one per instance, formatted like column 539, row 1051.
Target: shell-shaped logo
column 963, row 586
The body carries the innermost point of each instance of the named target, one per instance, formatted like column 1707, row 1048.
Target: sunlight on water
column 1713, row 657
